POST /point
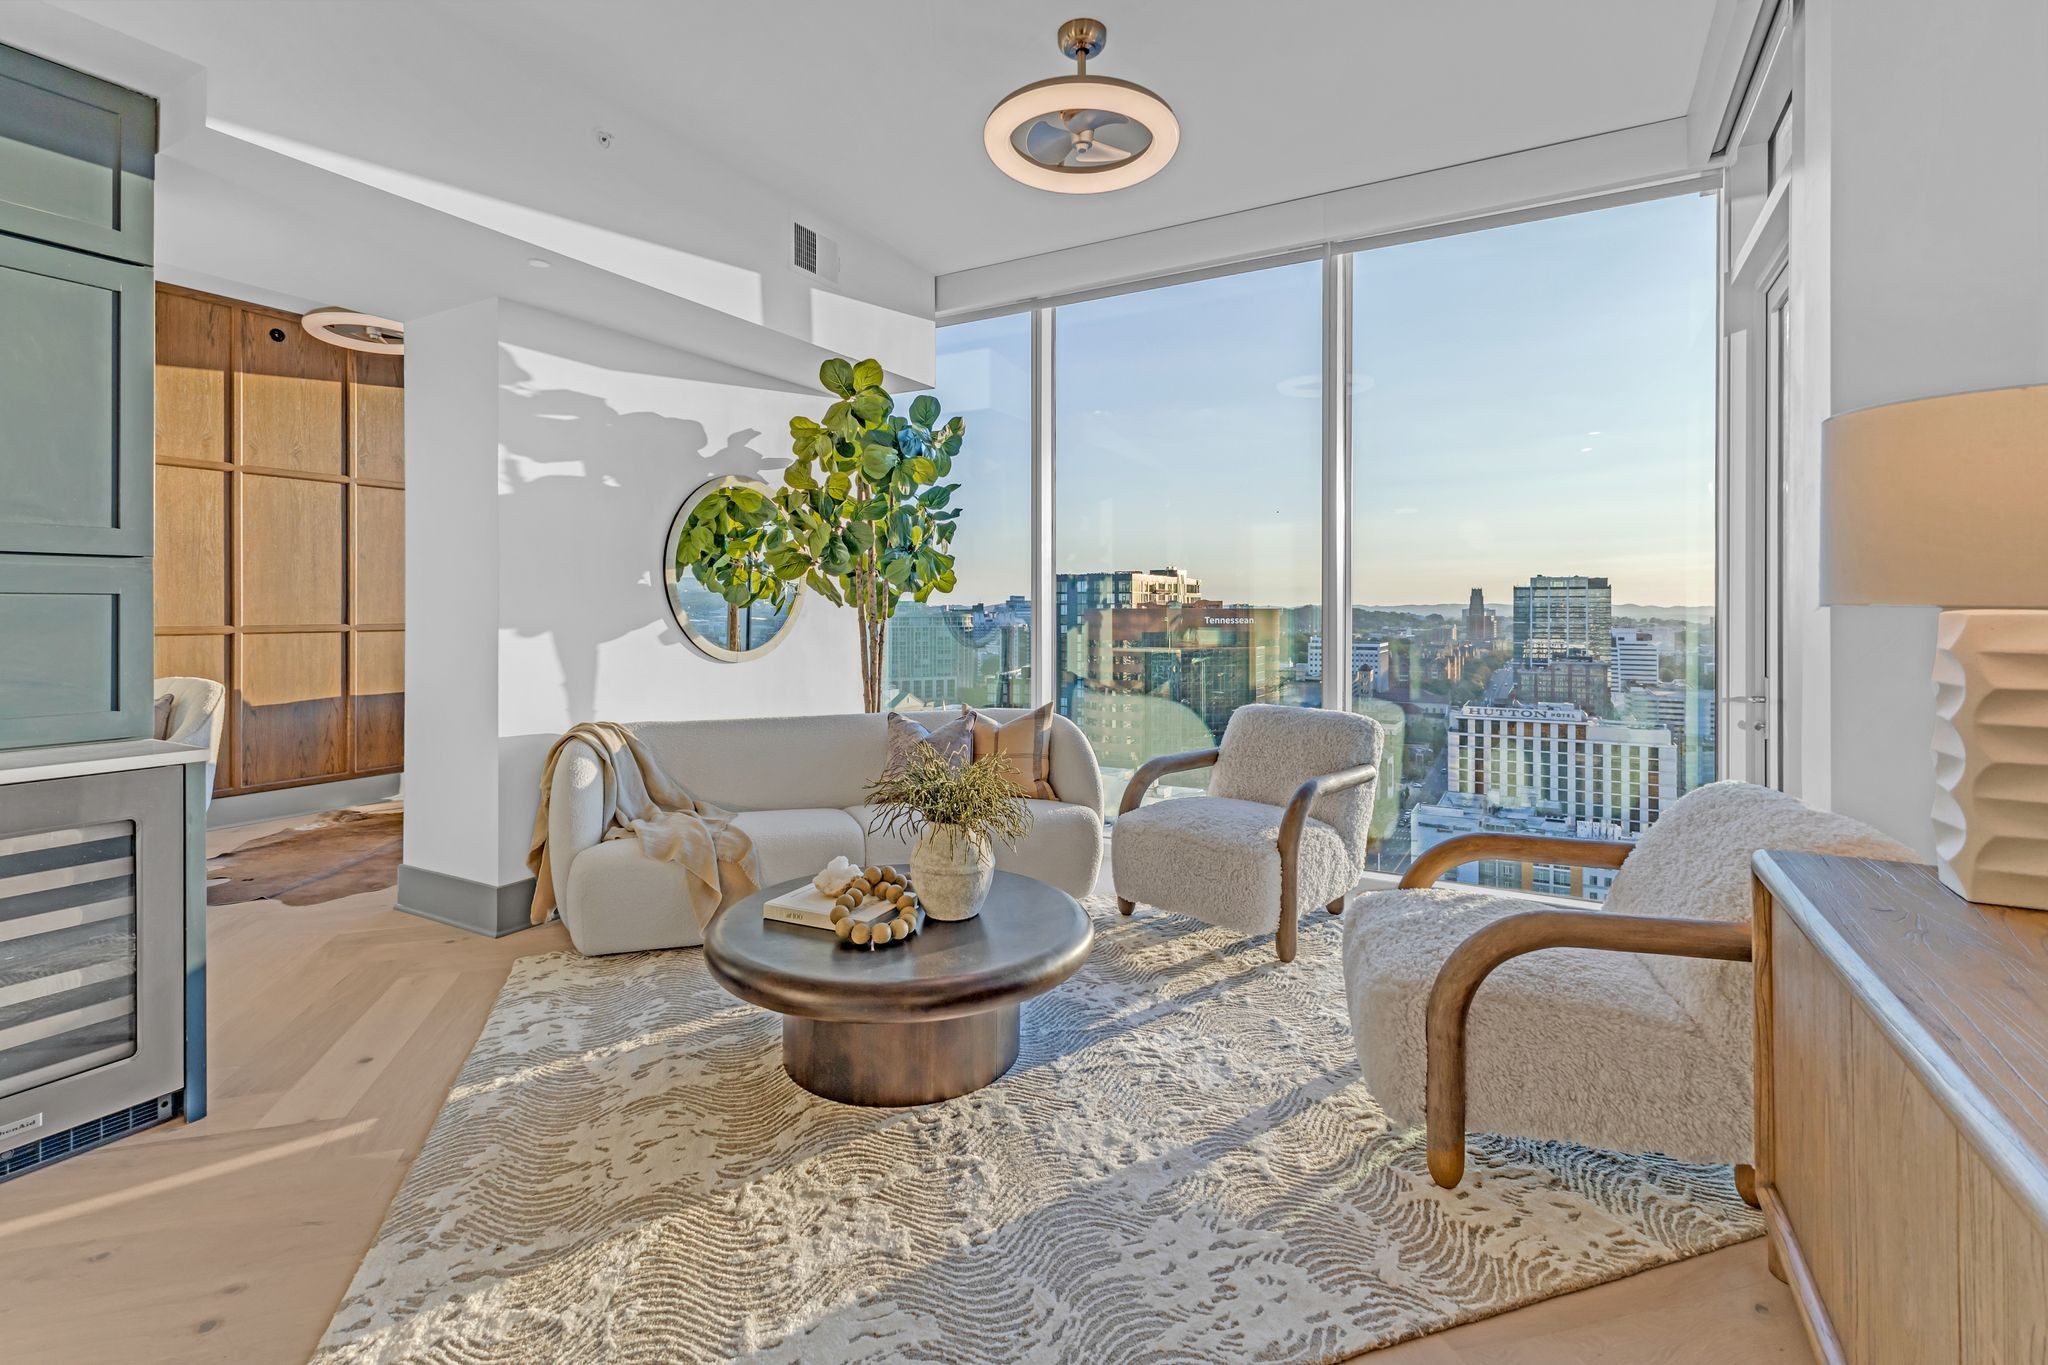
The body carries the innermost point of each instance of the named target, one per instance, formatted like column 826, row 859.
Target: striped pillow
column 1026, row 742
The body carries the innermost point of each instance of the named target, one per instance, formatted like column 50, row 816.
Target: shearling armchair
column 195, row 719
column 1283, row 825
column 1636, row 1038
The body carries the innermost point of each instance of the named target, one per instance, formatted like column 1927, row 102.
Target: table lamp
column 1944, row 502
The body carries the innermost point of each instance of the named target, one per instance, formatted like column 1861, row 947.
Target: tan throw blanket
column 642, row 801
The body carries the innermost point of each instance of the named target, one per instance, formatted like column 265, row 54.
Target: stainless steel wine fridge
column 102, row 946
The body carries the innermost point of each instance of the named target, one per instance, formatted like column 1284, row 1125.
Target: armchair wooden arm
column 1291, row 824
column 1520, row 848
column 1154, row 769
column 1450, row 999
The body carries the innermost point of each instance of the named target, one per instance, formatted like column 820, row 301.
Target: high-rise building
column 1563, row 614
column 1084, row 592
column 1152, row 675
column 1573, row 680
column 1367, row 656
column 1635, row 658
column 932, row 656
column 1479, row 623
column 1559, row 761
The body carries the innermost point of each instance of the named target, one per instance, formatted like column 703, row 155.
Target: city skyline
column 1162, row 393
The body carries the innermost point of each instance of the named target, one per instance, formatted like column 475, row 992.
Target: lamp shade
column 1939, row 502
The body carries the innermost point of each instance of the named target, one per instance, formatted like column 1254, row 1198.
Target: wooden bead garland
column 876, row 884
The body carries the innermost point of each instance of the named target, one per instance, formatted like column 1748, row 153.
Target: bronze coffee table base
column 897, row 1064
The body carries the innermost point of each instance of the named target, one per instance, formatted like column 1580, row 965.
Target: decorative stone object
column 836, row 876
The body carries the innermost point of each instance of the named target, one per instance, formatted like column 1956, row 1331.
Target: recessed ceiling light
column 539, row 262
column 356, row 331
column 1081, row 134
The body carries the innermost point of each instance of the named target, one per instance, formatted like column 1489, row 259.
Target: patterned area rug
column 1182, row 1166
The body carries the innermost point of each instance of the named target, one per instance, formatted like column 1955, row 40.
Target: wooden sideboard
column 1902, row 1111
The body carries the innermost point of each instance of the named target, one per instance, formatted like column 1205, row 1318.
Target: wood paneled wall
column 280, row 550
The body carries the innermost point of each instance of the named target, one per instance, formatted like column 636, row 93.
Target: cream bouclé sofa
column 798, row 786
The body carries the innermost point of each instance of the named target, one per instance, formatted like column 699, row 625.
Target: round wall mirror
column 712, row 566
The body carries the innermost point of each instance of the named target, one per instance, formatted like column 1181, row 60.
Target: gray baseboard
column 309, row 799
column 464, row 904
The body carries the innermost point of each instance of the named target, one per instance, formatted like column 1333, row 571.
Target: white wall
column 451, row 598
column 1918, row 269
column 534, row 546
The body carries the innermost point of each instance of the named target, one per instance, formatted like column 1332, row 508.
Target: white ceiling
column 878, row 107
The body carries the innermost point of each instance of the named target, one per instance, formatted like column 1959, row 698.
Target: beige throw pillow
column 164, row 705
column 953, row 738
column 1027, row 743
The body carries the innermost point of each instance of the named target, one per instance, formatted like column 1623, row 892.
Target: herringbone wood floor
column 336, row 1030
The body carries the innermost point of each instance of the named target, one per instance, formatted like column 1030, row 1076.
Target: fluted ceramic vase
column 951, row 871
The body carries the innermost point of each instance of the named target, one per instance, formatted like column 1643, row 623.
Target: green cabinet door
column 77, row 157
column 76, row 659
column 76, row 402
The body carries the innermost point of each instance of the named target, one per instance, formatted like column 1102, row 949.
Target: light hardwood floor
column 336, row 1031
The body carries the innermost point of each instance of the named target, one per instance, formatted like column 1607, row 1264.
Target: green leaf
column 876, row 462
column 924, row 410
column 839, row 485
column 923, row 470
column 872, row 406
column 746, row 499
column 867, row 374
column 861, row 535
column 799, row 425
column 825, row 588
column 897, row 571
column 837, row 376
column 799, row 475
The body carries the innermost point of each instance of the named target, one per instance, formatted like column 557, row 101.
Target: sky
column 1536, row 398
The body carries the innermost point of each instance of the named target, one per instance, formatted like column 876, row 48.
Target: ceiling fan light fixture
column 1081, row 134
column 355, row 331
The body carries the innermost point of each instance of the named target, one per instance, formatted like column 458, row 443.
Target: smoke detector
column 355, row 331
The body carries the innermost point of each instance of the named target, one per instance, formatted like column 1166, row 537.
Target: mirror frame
column 670, row 586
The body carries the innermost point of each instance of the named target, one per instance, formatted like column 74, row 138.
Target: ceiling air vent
column 815, row 255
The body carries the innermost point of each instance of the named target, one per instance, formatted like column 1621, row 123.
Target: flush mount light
column 1081, row 134
column 356, row 331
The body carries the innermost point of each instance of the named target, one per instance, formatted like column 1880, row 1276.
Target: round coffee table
column 927, row 1019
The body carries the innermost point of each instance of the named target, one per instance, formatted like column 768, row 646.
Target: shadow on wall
column 587, row 492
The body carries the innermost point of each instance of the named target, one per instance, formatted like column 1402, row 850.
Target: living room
column 976, row 683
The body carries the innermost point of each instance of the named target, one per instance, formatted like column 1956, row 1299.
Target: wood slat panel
column 290, row 708
column 378, row 428
column 288, row 397
column 1903, row 1170
column 194, row 355
column 293, row 542
column 205, row 656
column 1810, row 1099
column 379, row 699
column 379, row 540
column 191, row 547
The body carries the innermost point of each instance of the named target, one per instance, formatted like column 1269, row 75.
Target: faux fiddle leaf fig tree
column 724, row 545
column 866, row 518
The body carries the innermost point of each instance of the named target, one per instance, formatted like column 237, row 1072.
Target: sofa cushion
column 1567, row 1043
column 621, row 901
column 796, row 843
column 1063, row 848
column 1218, row 859
column 950, row 735
column 1026, row 741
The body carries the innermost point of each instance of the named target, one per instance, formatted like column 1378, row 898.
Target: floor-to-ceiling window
column 1530, row 522
column 1187, row 524
column 974, row 645
column 1533, row 462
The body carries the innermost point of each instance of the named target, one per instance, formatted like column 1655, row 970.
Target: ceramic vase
column 951, row 872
